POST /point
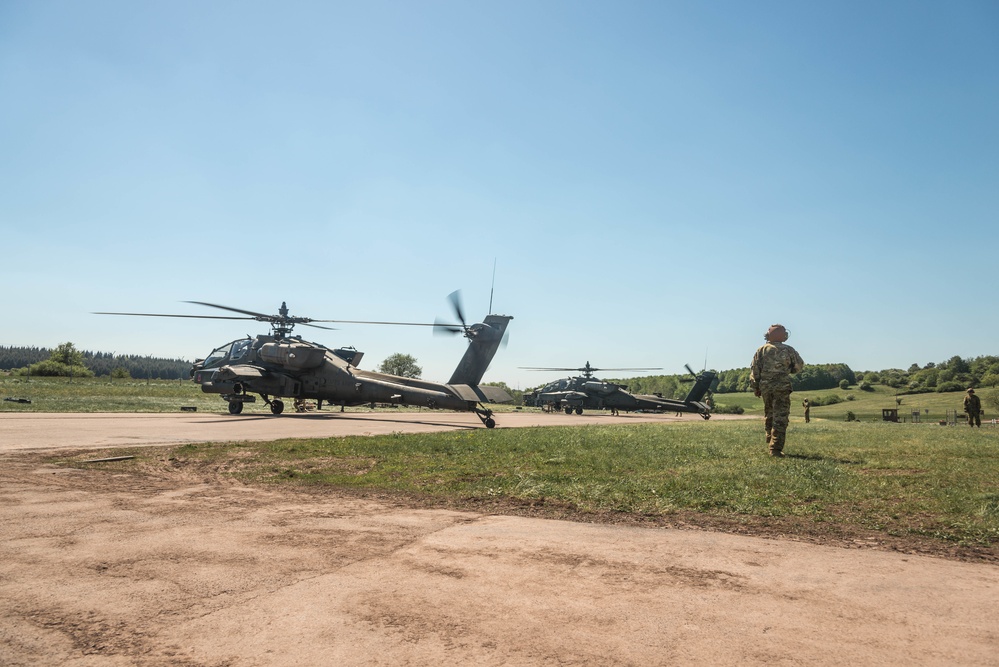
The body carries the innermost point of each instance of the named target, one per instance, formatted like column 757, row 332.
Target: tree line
column 955, row 374
column 67, row 360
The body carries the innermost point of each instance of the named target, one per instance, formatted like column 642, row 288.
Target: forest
column 23, row 360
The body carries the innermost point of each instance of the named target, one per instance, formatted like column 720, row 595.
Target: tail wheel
column 490, row 422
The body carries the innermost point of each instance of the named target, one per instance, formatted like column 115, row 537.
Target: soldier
column 805, row 404
column 973, row 406
column 770, row 377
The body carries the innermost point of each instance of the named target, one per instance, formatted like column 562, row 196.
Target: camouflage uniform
column 770, row 374
column 808, row 406
column 973, row 406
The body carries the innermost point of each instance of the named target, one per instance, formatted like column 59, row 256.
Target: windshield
column 239, row 349
column 218, row 354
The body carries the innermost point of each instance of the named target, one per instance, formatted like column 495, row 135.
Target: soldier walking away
column 973, row 406
column 770, row 377
column 805, row 404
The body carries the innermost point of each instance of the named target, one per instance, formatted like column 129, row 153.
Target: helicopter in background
column 574, row 394
column 280, row 365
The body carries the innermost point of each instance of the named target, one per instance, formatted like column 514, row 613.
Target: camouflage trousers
column 777, row 408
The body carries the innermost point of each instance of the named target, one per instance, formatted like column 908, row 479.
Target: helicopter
column 280, row 365
column 573, row 394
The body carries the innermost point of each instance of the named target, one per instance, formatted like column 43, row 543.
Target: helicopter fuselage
column 275, row 368
column 575, row 394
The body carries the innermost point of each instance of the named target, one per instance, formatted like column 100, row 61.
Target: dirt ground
column 106, row 568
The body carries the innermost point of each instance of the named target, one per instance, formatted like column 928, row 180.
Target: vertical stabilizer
column 701, row 386
column 485, row 339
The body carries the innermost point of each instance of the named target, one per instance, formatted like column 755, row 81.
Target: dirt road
column 99, row 568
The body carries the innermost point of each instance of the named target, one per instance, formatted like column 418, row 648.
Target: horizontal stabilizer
column 480, row 393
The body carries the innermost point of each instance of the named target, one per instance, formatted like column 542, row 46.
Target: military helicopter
column 281, row 365
column 573, row 394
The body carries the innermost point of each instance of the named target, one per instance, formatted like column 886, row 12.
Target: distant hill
column 102, row 363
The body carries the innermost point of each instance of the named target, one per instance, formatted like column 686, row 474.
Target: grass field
column 917, row 486
column 104, row 395
column 914, row 487
column 865, row 405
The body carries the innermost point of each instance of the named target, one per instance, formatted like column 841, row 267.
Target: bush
column 866, row 386
column 844, row 384
column 850, row 417
column 728, row 409
column 49, row 368
column 831, row 399
column 949, row 386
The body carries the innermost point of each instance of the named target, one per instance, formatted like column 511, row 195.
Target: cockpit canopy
column 230, row 352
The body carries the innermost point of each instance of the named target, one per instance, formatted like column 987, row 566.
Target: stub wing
column 480, row 393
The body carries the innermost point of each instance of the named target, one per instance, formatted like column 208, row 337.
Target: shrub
column 844, row 384
column 728, row 409
column 50, row 368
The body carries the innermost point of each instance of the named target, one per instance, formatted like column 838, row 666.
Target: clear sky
column 657, row 182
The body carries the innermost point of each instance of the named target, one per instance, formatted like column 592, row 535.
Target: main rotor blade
column 590, row 368
column 401, row 324
column 235, row 310
column 200, row 317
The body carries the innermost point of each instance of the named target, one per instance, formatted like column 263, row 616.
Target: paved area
column 32, row 430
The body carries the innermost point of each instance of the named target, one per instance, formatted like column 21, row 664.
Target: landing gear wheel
column 489, row 422
column 579, row 411
column 568, row 410
column 277, row 406
column 235, row 407
column 706, row 416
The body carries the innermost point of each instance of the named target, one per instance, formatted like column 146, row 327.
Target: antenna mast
column 492, row 287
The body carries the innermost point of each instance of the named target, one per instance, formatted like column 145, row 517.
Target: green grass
column 866, row 405
column 60, row 394
column 903, row 480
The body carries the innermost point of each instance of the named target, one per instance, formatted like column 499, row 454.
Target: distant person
column 770, row 377
column 973, row 406
column 805, row 404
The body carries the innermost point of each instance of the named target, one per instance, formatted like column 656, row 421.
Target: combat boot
column 777, row 453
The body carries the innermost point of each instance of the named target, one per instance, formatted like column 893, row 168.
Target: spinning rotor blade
column 591, row 369
column 455, row 299
column 257, row 316
column 202, row 317
column 446, row 328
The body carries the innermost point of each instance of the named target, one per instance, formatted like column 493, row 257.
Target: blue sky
column 657, row 182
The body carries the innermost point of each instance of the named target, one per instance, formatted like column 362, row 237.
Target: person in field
column 770, row 378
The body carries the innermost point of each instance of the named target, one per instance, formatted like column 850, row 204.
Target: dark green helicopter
column 280, row 365
column 574, row 394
